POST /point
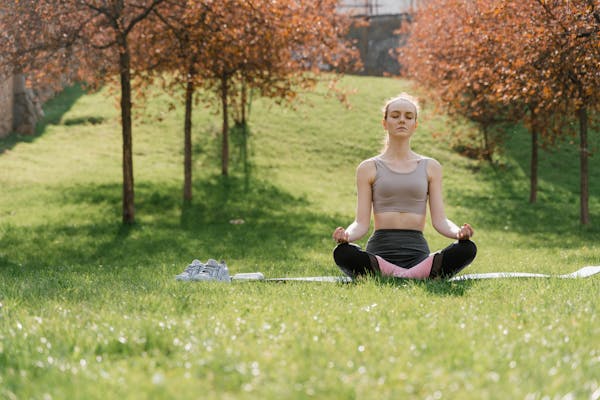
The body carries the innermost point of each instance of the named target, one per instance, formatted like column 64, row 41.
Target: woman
column 396, row 185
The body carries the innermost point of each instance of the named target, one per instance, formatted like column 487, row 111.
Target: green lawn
column 89, row 309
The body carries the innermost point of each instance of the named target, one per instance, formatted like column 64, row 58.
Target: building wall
column 378, row 7
column 378, row 42
column 6, row 106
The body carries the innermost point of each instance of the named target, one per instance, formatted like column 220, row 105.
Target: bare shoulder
column 433, row 162
column 366, row 169
column 434, row 168
column 367, row 164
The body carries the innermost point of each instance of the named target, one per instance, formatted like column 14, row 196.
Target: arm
column 440, row 222
column 365, row 173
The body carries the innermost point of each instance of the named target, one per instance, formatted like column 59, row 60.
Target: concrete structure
column 27, row 109
column 6, row 106
column 20, row 108
column 378, row 7
column 378, row 42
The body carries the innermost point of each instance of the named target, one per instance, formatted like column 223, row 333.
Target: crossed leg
column 443, row 264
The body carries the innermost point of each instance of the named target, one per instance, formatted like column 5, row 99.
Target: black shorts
column 402, row 247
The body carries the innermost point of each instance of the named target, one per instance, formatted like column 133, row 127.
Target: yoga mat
column 581, row 273
column 258, row 276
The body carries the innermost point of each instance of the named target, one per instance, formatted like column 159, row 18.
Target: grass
column 89, row 308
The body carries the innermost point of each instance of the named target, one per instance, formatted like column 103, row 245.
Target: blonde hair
column 401, row 97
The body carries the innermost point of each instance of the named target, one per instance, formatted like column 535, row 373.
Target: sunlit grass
column 90, row 308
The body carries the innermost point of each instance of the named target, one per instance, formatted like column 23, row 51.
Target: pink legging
column 420, row 271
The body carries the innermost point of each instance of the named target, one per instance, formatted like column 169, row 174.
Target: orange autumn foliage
column 534, row 61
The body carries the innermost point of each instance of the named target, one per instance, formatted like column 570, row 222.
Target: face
column 401, row 118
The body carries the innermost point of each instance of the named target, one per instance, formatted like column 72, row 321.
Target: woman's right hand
column 340, row 235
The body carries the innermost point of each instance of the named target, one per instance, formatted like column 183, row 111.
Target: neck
column 399, row 150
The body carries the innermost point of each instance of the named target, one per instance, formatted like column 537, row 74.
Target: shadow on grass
column 54, row 109
column 89, row 120
column 277, row 230
column 446, row 288
column 438, row 287
column 553, row 221
column 544, row 224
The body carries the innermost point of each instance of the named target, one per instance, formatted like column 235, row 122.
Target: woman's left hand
column 465, row 232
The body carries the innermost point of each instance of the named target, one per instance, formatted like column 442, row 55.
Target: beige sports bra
column 398, row 191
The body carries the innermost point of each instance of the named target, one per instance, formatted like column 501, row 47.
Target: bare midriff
column 399, row 220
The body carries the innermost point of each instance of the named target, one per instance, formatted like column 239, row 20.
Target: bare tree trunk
column 128, row 191
column 584, row 171
column 534, row 161
column 243, row 101
column 487, row 151
column 187, row 134
column 225, row 131
column 245, row 133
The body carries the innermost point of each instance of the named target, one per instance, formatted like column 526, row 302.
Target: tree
column 556, row 62
column 553, row 69
column 86, row 39
column 573, row 29
column 272, row 48
column 170, row 49
column 230, row 47
column 234, row 48
column 535, row 59
column 448, row 52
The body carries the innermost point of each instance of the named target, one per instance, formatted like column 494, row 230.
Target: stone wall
column 27, row 109
column 377, row 43
column 6, row 106
column 20, row 108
